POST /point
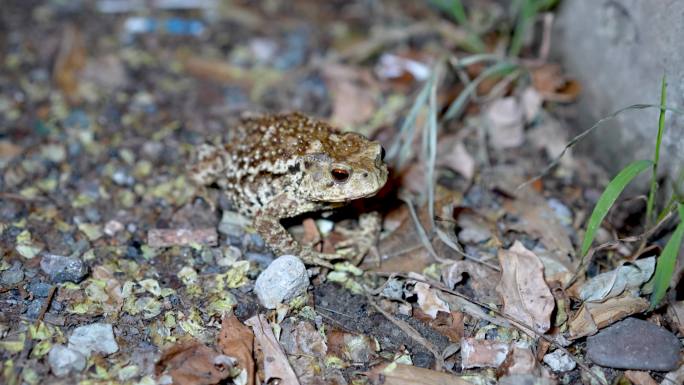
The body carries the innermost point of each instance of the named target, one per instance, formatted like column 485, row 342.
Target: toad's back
column 303, row 158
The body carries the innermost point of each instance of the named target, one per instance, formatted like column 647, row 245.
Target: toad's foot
column 362, row 240
column 312, row 257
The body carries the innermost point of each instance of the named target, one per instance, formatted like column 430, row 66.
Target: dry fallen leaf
column 531, row 103
column 476, row 353
column 537, row 218
column 193, row 363
column 525, row 294
column 351, row 347
column 613, row 283
column 276, row 365
column 452, row 153
column 553, row 85
column 428, row 300
column 551, row 136
column 352, row 90
column 640, row 378
column 237, row 340
column 9, row 150
column 676, row 313
column 481, row 279
column 504, row 119
column 520, row 360
column 594, row 316
column 398, row 374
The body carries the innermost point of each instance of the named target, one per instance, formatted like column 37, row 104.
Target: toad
column 281, row 166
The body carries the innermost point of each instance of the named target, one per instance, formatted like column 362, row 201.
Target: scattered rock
column 97, row 337
column 634, row 344
column 283, row 279
column 112, row 227
column 12, row 276
column 262, row 259
column 63, row 269
column 39, row 289
column 232, row 223
column 34, row 308
column 182, row 237
column 559, row 361
column 64, row 360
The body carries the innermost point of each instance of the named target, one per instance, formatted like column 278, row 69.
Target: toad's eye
column 382, row 153
column 339, row 174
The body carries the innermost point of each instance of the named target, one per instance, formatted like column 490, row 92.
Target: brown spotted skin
column 280, row 166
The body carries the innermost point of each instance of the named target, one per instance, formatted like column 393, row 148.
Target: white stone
column 63, row 360
column 559, row 361
column 284, row 279
column 97, row 337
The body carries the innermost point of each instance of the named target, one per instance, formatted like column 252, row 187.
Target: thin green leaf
column 656, row 157
column 608, row 198
column 666, row 262
column 454, row 8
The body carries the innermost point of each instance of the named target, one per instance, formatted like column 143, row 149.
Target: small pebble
column 13, row 275
column 112, row 227
column 39, row 289
column 559, row 361
column 34, row 308
column 97, row 337
column 562, row 211
column 63, row 360
column 122, row 178
column 284, row 279
column 634, row 344
column 63, row 269
column 262, row 259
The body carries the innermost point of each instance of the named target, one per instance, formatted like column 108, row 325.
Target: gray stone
column 284, row 279
column 97, row 337
column 63, row 360
column 618, row 50
column 39, row 289
column 13, row 275
column 634, row 344
column 63, row 269
column 34, row 308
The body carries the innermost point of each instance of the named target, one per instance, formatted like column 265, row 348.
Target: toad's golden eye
column 339, row 174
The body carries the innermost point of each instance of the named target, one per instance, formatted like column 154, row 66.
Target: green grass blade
column 666, row 262
column 454, row 8
column 608, row 198
column 656, row 157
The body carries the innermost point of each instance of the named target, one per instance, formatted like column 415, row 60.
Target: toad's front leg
column 267, row 224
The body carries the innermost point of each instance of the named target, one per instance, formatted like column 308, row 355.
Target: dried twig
column 527, row 329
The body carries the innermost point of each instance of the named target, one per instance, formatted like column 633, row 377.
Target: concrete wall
column 619, row 49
